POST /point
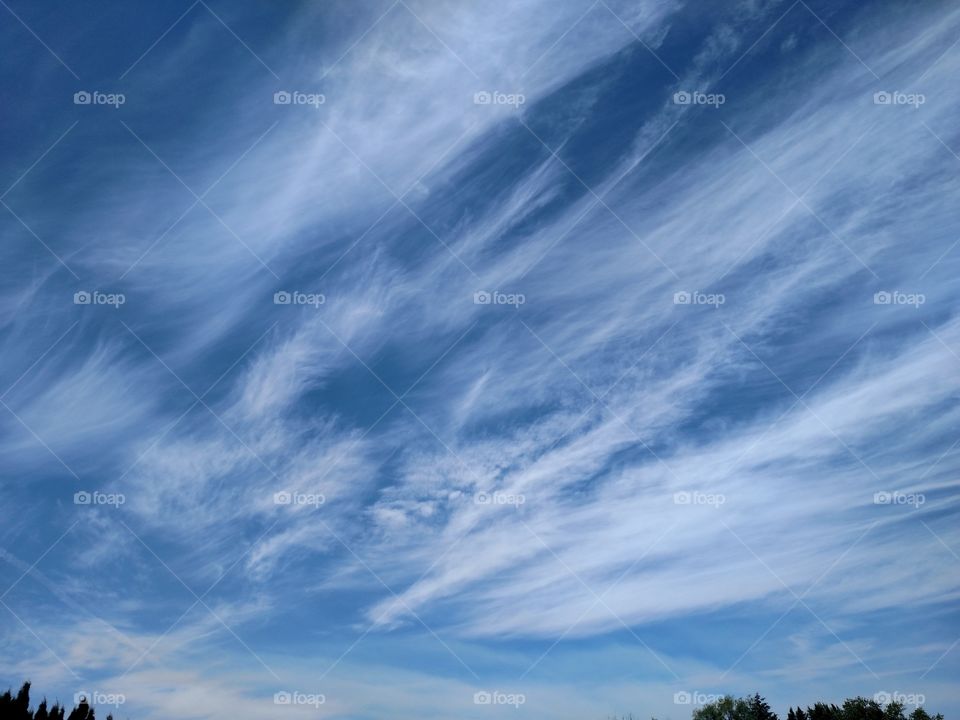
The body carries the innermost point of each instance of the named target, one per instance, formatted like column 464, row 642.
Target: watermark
column 698, row 298
column 99, row 698
column 499, row 498
column 884, row 698
column 694, row 698
column 498, row 98
column 695, row 497
column 296, row 697
column 896, row 497
column 286, row 497
column 895, row 297
column 295, row 297
column 96, row 97
column 295, row 97
column 482, row 297
column 499, row 698
column 99, row 498
column 95, row 297
column 695, row 97
column 896, row 97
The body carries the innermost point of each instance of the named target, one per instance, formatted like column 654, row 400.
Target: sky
column 435, row 358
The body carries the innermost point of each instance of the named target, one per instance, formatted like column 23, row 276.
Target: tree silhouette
column 726, row 708
column 857, row 708
column 760, row 710
column 18, row 708
column 822, row 711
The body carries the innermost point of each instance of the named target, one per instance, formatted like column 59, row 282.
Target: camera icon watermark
column 95, row 297
column 83, row 97
column 295, row 297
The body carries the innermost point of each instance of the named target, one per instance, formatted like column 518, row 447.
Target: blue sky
column 581, row 352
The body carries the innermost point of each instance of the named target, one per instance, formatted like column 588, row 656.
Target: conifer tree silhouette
column 822, row 711
column 760, row 709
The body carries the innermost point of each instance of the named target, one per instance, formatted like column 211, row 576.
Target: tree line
column 858, row 708
column 17, row 707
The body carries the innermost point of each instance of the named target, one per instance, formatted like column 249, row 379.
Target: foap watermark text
column 885, row 698
column 95, row 297
column 295, row 697
column 83, row 497
column 895, row 297
column 295, row 297
column 114, row 100
column 499, row 498
column 695, row 97
column 99, row 698
column 286, row 497
column 482, row 297
column 695, row 497
column 495, row 697
column 296, row 97
column 895, row 97
column 684, row 697
column 896, row 497
column 496, row 97
column 684, row 297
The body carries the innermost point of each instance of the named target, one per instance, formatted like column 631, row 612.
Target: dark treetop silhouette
column 858, row 708
column 17, row 707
